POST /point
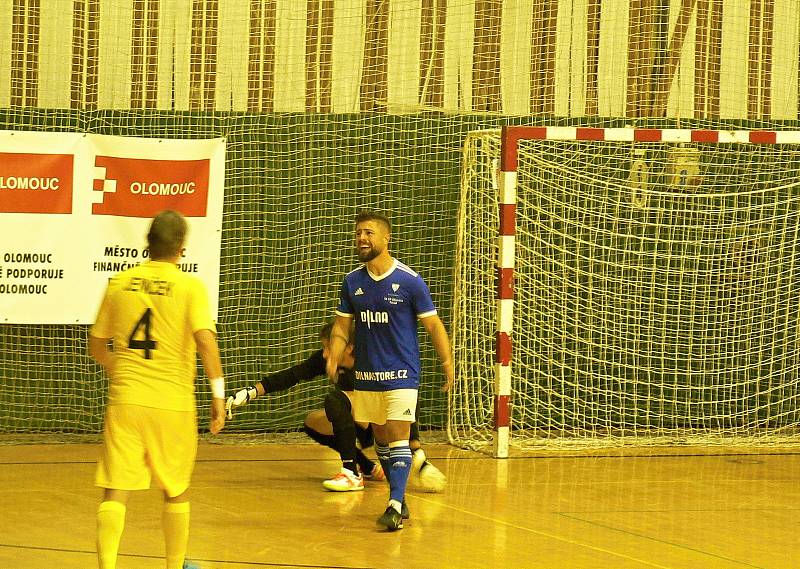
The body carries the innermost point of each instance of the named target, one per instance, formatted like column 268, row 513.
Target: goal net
column 627, row 287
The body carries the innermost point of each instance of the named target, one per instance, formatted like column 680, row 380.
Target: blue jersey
column 386, row 310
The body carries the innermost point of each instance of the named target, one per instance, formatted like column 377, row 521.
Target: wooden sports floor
column 263, row 506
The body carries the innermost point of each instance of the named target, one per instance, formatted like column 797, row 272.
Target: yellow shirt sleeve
column 103, row 325
column 199, row 311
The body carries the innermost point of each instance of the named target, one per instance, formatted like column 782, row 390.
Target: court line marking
column 655, row 539
column 447, row 458
column 659, row 511
column 135, row 556
column 548, row 535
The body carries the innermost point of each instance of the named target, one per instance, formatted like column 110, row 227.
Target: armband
column 342, row 338
column 217, row 387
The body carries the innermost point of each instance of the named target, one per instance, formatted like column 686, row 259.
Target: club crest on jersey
column 369, row 317
column 395, row 287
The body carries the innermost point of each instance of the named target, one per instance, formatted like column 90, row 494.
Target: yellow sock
column 176, row 532
column 110, row 523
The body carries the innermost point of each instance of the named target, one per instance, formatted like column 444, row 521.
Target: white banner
column 75, row 209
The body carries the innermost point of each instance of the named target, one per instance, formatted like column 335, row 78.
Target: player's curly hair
column 166, row 235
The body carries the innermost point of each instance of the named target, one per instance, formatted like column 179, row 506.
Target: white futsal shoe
column 345, row 481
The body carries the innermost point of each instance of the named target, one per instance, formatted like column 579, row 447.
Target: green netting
column 293, row 186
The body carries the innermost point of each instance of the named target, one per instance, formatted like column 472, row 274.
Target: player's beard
column 368, row 255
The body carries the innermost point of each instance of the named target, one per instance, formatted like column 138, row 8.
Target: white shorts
column 381, row 406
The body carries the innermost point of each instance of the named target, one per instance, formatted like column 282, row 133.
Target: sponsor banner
column 141, row 188
column 35, row 183
column 75, row 208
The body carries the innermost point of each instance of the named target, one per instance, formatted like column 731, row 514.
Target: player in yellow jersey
column 157, row 319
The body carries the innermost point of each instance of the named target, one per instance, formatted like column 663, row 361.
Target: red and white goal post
column 641, row 283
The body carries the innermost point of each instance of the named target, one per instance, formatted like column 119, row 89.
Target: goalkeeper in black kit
column 334, row 427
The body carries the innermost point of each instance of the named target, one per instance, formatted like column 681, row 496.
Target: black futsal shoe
column 391, row 519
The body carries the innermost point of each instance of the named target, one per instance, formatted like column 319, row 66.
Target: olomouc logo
column 134, row 187
column 36, row 183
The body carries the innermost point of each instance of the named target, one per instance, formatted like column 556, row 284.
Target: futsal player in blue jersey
column 386, row 299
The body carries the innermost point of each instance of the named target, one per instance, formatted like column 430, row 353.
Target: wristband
column 217, row 387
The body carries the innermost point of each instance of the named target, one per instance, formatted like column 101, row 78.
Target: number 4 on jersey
column 148, row 344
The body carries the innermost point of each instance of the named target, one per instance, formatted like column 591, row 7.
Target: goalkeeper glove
column 239, row 399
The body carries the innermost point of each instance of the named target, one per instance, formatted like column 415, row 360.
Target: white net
column 656, row 294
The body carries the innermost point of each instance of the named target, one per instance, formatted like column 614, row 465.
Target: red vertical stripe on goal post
column 505, row 283
column 508, row 218
column 502, row 348
column 502, row 414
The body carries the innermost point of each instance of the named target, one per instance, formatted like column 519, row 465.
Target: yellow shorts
column 379, row 406
column 140, row 443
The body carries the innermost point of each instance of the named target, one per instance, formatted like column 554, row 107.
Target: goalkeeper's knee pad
column 364, row 436
column 337, row 408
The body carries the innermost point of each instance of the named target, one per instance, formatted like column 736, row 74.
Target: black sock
column 364, row 463
column 414, row 436
column 330, row 442
column 364, row 436
column 338, row 412
column 324, row 440
column 351, row 466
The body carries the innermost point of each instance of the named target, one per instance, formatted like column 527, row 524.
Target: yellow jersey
column 151, row 312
